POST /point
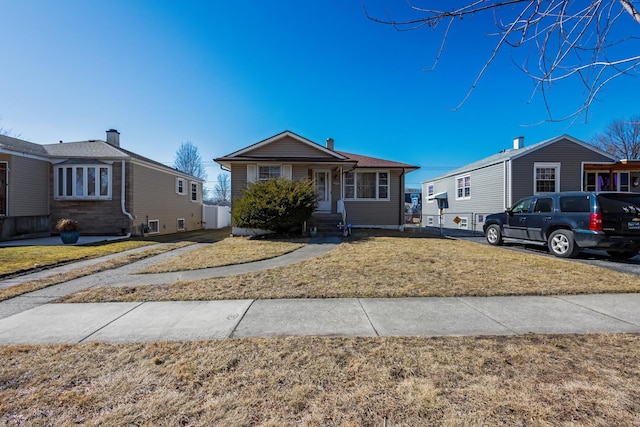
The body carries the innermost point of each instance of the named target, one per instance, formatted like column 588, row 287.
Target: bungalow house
column 107, row 189
column 360, row 190
column 463, row 197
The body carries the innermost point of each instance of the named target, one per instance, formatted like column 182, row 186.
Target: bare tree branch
column 620, row 138
column 567, row 39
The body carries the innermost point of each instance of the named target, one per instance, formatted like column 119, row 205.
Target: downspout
column 122, row 192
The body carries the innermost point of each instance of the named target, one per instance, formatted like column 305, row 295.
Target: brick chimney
column 113, row 137
column 330, row 143
column 518, row 142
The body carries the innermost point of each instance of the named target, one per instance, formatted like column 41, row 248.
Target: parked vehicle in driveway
column 569, row 222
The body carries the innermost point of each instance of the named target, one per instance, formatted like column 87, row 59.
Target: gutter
column 122, row 198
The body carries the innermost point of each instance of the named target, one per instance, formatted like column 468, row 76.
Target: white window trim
column 462, row 177
column 84, row 166
column 157, row 230
column 184, row 184
column 178, row 224
column 355, row 185
column 5, row 207
column 253, row 171
column 555, row 165
column 464, row 223
column 433, row 186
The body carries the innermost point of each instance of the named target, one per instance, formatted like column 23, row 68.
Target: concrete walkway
column 29, row 319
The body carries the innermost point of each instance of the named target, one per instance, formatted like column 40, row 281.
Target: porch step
column 326, row 224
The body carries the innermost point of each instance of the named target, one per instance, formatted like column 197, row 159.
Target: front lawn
column 371, row 266
column 524, row 381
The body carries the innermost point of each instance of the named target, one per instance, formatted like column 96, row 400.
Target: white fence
column 216, row 216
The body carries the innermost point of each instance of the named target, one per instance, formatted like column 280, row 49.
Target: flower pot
column 69, row 237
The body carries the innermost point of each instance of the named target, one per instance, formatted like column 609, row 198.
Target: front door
column 321, row 179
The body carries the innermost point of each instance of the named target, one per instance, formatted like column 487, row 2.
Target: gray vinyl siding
column 385, row 213
column 487, row 192
column 571, row 156
column 155, row 198
column 28, row 188
column 287, row 147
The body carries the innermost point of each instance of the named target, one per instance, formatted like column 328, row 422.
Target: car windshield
column 619, row 203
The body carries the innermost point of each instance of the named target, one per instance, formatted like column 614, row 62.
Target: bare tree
column 583, row 40
column 222, row 189
column 189, row 161
column 620, row 138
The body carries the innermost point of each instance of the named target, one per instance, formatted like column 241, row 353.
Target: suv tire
column 494, row 235
column 623, row 254
column 562, row 244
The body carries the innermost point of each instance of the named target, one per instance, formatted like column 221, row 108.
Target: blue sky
column 226, row 74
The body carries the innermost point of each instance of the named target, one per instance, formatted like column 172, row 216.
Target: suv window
column 575, row 204
column 522, row 206
column 619, row 203
column 543, row 205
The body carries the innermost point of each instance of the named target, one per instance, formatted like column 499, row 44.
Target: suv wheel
column 623, row 254
column 494, row 236
column 561, row 244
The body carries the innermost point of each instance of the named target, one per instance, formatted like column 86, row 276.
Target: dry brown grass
column 393, row 267
column 232, row 250
column 526, row 380
column 25, row 258
column 54, row 279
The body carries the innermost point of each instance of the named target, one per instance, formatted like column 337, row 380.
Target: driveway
column 587, row 256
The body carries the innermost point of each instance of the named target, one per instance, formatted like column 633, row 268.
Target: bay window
column 82, row 181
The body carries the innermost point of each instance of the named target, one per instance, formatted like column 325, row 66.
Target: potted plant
column 69, row 230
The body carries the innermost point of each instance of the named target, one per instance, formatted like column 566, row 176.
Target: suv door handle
column 547, row 218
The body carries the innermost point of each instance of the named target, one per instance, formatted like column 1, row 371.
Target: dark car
column 569, row 222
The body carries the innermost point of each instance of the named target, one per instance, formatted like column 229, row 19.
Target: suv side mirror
column 508, row 211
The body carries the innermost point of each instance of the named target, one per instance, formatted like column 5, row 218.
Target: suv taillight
column 595, row 222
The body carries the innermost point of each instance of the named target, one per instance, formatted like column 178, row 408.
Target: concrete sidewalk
column 201, row 320
column 33, row 319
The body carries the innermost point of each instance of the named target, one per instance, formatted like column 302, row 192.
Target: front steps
column 325, row 223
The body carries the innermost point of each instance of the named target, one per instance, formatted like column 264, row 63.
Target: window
column 82, row 182
column 4, row 175
column 522, row 206
column 463, row 187
column 430, row 191
column 180, row 224
column 194, row 191
column 543, row 205
column 181, row 186
column 266, row 173
column 430, row 221
column 153, row 226
column 624, row 181
column 464, row 223
column 546, row 178
column 602, row 181
column 366, row 185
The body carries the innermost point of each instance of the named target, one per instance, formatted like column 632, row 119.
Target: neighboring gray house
column 369, row 191
column 107, row 189
column 493, row 184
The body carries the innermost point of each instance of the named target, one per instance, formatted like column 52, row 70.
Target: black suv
column 568, row 222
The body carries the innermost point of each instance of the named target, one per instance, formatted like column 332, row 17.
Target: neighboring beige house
column 24, row 189
column 107, row 189
column 369, row 192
